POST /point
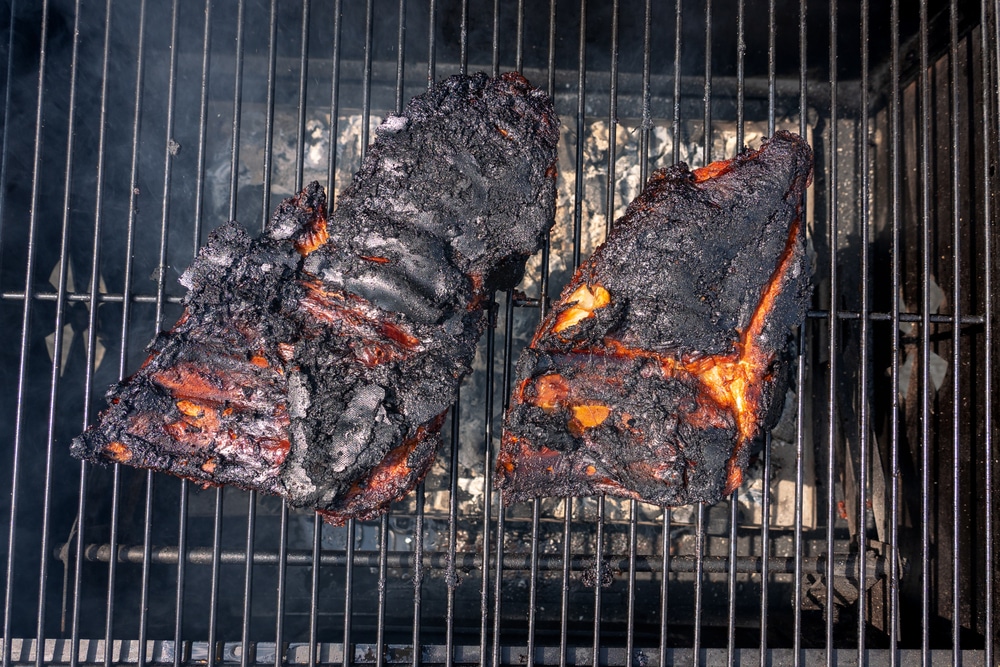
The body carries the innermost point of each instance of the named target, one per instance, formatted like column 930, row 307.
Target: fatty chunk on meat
column 664, row 359
column 317, row 361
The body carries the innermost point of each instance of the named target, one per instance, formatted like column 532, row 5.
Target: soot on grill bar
column 854, row 510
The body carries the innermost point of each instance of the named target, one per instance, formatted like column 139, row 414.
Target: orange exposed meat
column 662, row 363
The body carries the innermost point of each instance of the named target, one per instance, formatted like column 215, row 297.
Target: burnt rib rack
column 866, row 532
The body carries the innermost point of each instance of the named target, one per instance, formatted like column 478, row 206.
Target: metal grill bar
column 317, row 538
column 664, row 567
column 348, row 583
column 23, row 358
column 630, row 618
column 366, row 75
column 765, row 509
column 699, row 576
column 213, row 606
column 182, row 511
column 331, row 171
column 845, row 565
column 988, row 221
column 7, row 88
column 498, row 578
column 125, row 326
column 199, row 196
column 418, row 573
column 895, row 213
column 57, row 338
column 925, row 218
column 279, row 612
column 800, row 377
column 731, row 620
column 272, row 56
column 234, row 155
column 533, row 580
column 526, row 302
column 772, row 80
column 864, row 338
column 160, row 293
column 564, row 581
column 382, row 571
column 146, row 546
column 799, row 478
column 300, row 138
column 956, row 591
column 245, row 647
column 452, row 528
column 599, row 568
column 832, row 331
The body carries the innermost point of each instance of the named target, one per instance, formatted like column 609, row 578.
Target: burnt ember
column 663, row 361
column 317, row 361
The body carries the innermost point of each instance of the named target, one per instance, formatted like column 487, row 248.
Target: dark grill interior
column 866, row 531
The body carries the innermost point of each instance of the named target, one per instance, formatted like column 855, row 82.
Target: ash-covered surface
column 317, row 362
column 663, row 360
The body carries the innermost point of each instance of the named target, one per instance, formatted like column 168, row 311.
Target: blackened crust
column 663, row 360
column 314, row 362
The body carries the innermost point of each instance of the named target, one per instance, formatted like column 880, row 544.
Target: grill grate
column 130, row 130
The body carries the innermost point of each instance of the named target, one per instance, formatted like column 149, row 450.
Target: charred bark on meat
column 317, row 361
column 663, row 360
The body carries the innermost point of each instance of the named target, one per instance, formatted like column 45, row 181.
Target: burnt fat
column 663, row 360
column 317, row 361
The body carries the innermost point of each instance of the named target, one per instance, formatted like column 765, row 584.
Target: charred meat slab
column 317, row 361
column 663, row 359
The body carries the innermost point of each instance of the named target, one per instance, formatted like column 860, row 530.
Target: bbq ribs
column 317, row 362
column 664, row 359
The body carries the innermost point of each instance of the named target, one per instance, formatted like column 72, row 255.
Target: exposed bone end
column 117, row 451
column 584, row 302
column 312, row 237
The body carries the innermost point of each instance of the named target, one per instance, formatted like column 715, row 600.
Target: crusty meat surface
column 316, row 362
column 663, row 359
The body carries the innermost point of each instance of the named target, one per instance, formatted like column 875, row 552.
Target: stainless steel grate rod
column 843, row 565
